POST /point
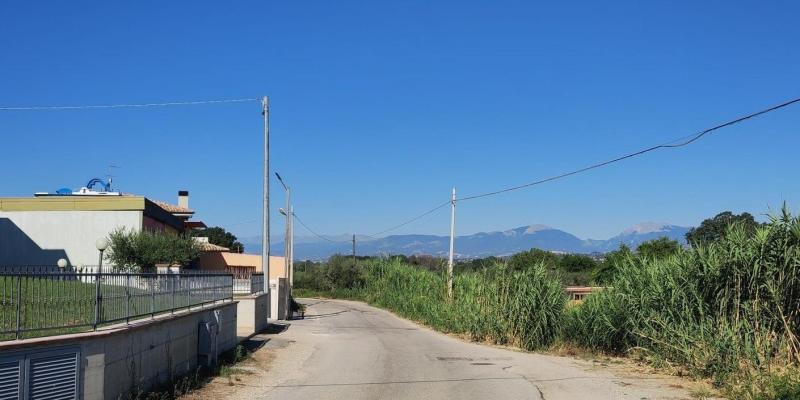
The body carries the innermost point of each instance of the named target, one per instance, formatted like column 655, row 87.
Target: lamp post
column 102, row 245
column 287, row 240
column 62, row 265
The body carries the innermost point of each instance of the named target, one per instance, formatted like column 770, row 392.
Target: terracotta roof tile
column 205, row 246
column 172, row 208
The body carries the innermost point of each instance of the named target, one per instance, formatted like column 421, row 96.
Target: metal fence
column 43, row 303
column 248, row 284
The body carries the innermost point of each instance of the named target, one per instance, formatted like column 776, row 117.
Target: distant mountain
column 637, row 234
column 481, row 244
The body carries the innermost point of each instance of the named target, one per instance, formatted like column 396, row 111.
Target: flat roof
column 73, row 203
column 91, row 203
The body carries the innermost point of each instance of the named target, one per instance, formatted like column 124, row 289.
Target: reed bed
column 727, row 311
column 498, row 305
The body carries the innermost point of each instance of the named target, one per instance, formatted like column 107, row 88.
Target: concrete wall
column 252, row 314
column 143, row 356
column 42, row 237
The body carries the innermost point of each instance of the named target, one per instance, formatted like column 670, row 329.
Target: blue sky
column 379, row 108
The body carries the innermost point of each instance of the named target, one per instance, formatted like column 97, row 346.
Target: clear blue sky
column 379, row 108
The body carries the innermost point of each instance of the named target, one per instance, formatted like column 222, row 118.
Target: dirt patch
column 249, row 372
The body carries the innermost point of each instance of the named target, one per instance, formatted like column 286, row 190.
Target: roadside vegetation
column 228, row 367
column 142, row 251
column 725, row 309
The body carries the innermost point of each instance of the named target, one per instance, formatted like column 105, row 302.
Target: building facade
column 38, row 231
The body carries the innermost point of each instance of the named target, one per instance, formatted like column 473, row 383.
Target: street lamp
column 288, row 264
column 62, row 264
column 102, row 245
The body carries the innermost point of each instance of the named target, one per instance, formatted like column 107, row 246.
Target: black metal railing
column 249, row 283
column 47, row 303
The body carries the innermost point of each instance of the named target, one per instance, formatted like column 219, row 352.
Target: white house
column 41, row 230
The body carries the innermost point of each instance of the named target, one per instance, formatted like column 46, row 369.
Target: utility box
column 278, row 297
column 207, row 344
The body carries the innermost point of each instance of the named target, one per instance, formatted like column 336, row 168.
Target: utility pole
column 287, row 253
column 452, row 244
column 354, row 249
column 291, row 247
column 265, row 209
column 287, row 242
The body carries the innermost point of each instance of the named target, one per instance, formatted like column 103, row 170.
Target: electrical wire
column 679, row 142
column 410, row 220
column 84, row 107
column 315, row 233
column 685, row 141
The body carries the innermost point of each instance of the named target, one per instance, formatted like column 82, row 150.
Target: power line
column 679, row 142
column 315, row 233
column 686, row 140
column 410, row 220
column 84, row 107
column 250, row 221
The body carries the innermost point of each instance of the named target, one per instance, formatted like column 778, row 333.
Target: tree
column 476, row 264
column 532, row 257
column 341, row 273
column 141, row 250
column 220, row 237
column 658, row 248
column 577, row 263
column 431, row 263
column 608, row 268
column 714, row 229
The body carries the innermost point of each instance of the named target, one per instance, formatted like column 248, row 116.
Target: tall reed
column 728, row 310
column 521, row 308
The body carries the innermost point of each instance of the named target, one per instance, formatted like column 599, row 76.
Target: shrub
column 142, row 250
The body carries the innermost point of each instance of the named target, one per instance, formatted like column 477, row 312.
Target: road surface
column 348, row 350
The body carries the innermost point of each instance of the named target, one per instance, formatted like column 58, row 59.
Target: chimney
column 183, row 198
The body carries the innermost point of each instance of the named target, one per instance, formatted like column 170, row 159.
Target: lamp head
column 101, row 244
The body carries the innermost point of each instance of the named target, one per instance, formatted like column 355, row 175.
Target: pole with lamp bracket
column 102, row 245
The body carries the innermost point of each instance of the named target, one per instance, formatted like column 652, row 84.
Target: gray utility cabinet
column 207, row 344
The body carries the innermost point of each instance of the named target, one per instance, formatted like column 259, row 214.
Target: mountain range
column 482, row 244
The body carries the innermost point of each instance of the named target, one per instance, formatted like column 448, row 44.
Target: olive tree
column 137, row 251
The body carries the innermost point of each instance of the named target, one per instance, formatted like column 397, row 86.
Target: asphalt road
column 348, row 350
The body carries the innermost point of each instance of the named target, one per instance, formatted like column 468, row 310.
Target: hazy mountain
column 637, row 234
column 477, row 245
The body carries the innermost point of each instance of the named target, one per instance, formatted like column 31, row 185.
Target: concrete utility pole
column 265, row 209
column 291, row 247
column 354, row 250
column 452, row 244
column 287, row 240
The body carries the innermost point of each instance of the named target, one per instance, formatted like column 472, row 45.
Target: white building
column 38, row 231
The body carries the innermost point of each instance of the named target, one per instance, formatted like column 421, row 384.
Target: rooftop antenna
column 109, row 176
